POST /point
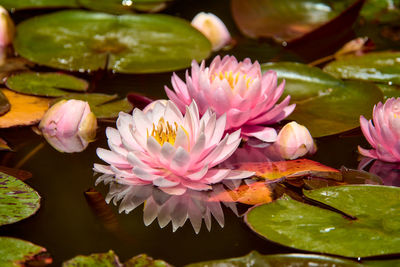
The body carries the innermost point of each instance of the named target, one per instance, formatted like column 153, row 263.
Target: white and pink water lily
column 174, row 152
column 237, row 89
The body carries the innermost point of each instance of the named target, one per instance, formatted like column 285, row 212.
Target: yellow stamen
column 164, row 132
column 232, row 79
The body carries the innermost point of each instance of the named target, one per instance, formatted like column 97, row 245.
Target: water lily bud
column 294, row 141
column 69, row 126
column 213, row 28
column 7, row 28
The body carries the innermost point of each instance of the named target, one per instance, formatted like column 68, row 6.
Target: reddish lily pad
column 252, row 194
column 361, row 221
column 17, row 200
column 286, row 20
column 16, row 252
column 273, row 171
column 45, row 84
column 87, row 41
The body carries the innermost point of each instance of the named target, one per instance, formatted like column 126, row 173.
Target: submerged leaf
column 272, row 171
column 17, row 173
column 86, row 41
column 4, row 146
column 25, row 110
column 370, row 227
column 254, row 259
column 45, row 84
column 324, row 104
column 17, row 200
column 16, row 252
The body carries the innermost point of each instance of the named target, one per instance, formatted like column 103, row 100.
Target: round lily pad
column 254, row 259
column 28, row 4
column 324, row 104
column 45, row 84
column 102, row 105
column 86, row 41
column 125, row 6
column 16, row 252
column 17, row 200
column 362, row 221
column 378, row 67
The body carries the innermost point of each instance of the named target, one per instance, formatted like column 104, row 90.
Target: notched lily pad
column 87, row 41
column 254, row 259
column 16, row 252
column 324, row 104
column 377, row 67
column 17, row 200
column 102, row 105
column 110, row 259
column 25, row 110
column 45, row 84
column 371, row 227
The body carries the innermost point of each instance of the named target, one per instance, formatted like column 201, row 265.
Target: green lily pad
column 254, row 259
column 16, row 252
column 17, row 200
column 28, row 4
column 324, row 104
column 110, row 259
column 4, row 104
column 86, row 41
column 103, row 106
column 377, row 67
column 45, row 84
column 371, row 227
column 389, row 90
column 384, row 11
column 123, row 7
column 382, row 263
column 270, row 18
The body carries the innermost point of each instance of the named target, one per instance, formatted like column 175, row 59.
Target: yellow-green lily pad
column 360, row 221
column 17, row 200
column 45, row 84
column 79, row 40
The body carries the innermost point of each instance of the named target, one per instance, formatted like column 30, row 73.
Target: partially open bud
column 213, row 28
column 294, row 141
column 7, row 28
column 69, row 126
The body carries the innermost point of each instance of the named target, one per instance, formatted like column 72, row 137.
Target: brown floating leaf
column 252, row 194
column 273, row 171
column 25, row 110
column 17, row 173
column 4, row 146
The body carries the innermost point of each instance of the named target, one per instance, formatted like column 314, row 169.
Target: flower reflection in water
column 177, row 209
column 388, row 172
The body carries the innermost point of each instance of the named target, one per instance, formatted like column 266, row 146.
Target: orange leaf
column 25, row 110
column 289, row 169
column 253, row 194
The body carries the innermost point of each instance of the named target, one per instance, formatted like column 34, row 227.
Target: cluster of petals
column 160, row 146
column 383, row 131
column 237, row 89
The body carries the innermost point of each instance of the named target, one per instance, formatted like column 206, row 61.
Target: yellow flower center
column 165, row 132
column 232, row 78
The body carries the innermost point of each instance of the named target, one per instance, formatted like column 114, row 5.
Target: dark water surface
column 67, row 226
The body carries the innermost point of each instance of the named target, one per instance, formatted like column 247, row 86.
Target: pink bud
column 69, row 126
column 294, row 141
column 7, row 28
column 213, row 28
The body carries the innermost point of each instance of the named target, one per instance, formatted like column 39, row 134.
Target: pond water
column 67, row 225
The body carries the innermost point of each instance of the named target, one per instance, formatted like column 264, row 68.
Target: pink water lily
column 383, row 131
column 164, row 148
column 237, row 89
